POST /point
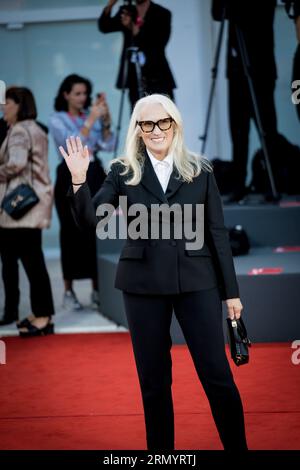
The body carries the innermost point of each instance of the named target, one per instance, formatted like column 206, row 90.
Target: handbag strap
column 30, row 152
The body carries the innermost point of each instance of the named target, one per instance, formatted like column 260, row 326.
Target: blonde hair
column 188, row 164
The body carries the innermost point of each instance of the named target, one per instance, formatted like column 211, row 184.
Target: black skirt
column 78, row 248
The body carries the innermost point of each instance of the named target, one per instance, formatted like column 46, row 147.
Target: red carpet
column 81, row 392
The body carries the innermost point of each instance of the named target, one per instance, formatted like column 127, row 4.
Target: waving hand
column 77, row 159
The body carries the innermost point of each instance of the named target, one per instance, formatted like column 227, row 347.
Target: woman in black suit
column 160, row 275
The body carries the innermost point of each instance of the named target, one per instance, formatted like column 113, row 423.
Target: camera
column 130, row 8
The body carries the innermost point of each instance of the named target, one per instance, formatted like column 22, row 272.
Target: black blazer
column 165, row 266
column 152, row 40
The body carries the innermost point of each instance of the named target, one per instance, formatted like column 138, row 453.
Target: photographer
column 255, row 22
column 147, row 26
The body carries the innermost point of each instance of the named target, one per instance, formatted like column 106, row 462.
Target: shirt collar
column 168, row 159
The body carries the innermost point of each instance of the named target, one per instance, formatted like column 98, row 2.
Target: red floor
column 81, row 392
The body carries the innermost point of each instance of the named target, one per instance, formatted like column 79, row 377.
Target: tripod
column 131, row 55
column 247, row 71
column 214, row 74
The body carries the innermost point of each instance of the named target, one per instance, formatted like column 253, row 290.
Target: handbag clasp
column 16, row 200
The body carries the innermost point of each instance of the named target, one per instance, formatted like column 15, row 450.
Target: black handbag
column 21, row 199
column 238, row 341
column 238, row 240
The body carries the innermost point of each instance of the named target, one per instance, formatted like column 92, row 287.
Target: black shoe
column 236, row 197
column 48, row 329
column 7, row 320
column 24, row 323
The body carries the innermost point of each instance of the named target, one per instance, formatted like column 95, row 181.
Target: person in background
column 75, row 116
column 255, row 21
column 24, row 158
column 148, row 27
column 159, row 275
column 293, row 10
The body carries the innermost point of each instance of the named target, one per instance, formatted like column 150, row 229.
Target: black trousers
column 241, row 112
column 25, row 244
column 200, row 317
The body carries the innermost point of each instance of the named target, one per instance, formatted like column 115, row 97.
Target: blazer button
column 173, row 243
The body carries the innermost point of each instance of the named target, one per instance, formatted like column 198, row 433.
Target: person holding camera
column 75, row 115
column 146, row 26
column 160, row 274
column 254, row 21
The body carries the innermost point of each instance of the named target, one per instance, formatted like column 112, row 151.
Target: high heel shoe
column 48, row 329
column 25, row 323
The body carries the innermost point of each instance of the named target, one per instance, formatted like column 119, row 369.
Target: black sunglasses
column 163, row 124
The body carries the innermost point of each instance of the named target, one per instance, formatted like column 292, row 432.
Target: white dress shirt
column 163, row 169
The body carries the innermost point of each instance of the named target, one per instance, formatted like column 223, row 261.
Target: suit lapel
column 151, row 183
column 174, row 184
